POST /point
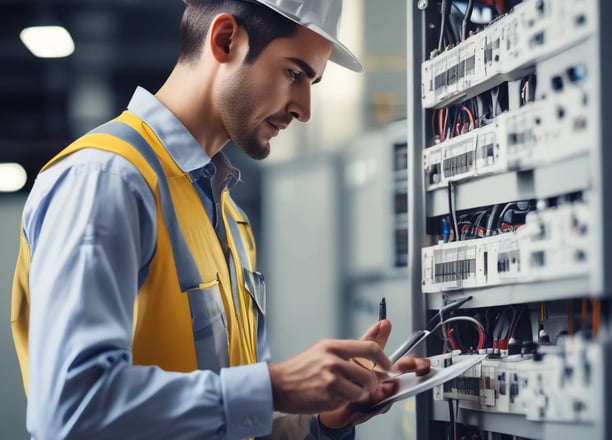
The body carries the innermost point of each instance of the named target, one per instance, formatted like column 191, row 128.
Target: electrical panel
column 373, row 224
column 375, row 203
column 557, row 385
column 508, row 214
column 505, row 49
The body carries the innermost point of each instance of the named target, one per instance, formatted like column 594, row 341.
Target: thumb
column 379, row 332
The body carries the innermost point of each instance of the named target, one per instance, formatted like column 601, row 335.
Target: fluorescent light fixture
column 48, row 41
column 13, row 177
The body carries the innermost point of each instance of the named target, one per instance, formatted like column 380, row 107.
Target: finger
column 365, row 363
column 346, row 390
column 369, row 407
column 379, row 332
column 405, row 364
column 358, row 385
column 364, row 377
column 423, row 366
column 348, row 349
column 386, row 408
column 383, row 376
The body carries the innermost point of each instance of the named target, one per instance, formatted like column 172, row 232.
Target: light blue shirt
column 90, row 221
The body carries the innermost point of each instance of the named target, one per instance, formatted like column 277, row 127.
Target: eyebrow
column 309, row 71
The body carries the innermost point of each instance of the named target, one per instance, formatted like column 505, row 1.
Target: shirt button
column 250, row 421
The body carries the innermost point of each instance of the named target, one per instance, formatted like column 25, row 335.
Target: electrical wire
column 495, row 102
column 466, row 19
column 596, row 316
column 476, row 139
column 543, row 337
column 447, row 308
column 492, row 218
column 508, row 329
column 452, row 208
column 472, row 119
column 449, row 118
column 450, row 337
column 444, row 331
column 515, row 323
column 441, row 40
column 456, row 417
column 422, row 335
column 501, row 216
column 442, row 123
column 487, row 325
column 543, row 312
column 473, row 103
column 451, row 418
column 434, row 132
column 500, row 329
column 584, row 314
column 445, row 8
column 477, row 324
column 524, row 91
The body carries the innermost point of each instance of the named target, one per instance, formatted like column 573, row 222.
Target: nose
column 299, row 104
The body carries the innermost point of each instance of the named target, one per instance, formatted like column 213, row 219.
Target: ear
column 223, row 36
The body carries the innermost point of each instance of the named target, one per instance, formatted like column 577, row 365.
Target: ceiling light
column 13, row 177
column 48, row 41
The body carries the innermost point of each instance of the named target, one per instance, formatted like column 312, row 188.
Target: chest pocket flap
column 255, row 285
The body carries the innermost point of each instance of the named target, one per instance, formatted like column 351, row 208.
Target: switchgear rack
column 509, row 206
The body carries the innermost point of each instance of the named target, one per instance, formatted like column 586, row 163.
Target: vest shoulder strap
column 187, row 271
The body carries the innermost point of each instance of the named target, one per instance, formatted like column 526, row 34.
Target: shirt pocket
column 255, row 285
column 209, row 326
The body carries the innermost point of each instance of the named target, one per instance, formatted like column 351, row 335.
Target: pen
column 382, row 309
column 382, row 314
column 408, row 345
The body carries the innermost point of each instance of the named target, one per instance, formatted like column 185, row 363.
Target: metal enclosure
column 374, row 221
column 569, row 172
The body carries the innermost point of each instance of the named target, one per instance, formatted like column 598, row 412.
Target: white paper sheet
column 410, row 384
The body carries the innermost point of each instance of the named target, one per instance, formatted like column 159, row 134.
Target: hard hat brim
column 340, row 54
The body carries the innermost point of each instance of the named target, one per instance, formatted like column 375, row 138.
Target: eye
column 295, row 76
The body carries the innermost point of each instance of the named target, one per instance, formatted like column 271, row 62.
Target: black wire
column 452, row 210
column 441, row 40
column 451, row 416
column 451, row 114
column 492, row 218
column 454, row 24
column 452, row 37
column 445, row 8
column 466, row 19
column 488, row 336
column 456, row 418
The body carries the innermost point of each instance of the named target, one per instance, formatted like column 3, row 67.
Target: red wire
column 454, row 345
column 441, row 124
column 451, row 338
column 470, row 116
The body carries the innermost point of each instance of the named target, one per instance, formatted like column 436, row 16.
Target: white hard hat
column 321, row 17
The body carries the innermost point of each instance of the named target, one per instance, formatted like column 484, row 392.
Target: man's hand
column 323, row 377
column 360, row 410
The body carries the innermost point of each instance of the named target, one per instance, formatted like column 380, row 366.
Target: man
column 137, row 310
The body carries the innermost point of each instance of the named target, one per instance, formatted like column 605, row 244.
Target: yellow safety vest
column 197, row 308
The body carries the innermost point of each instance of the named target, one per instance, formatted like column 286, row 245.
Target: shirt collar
column 186, row 152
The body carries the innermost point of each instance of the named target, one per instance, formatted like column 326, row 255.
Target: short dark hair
column 261, row 23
